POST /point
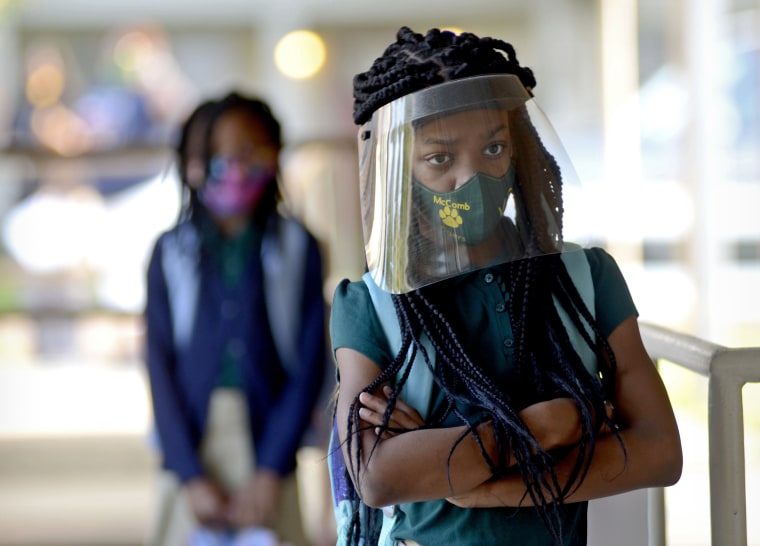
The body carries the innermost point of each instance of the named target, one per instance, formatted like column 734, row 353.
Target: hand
column 403, row 418
column 257, row 503
column 207, row 501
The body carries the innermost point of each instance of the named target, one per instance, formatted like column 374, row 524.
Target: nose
column 237, row 171
column 229, row 168
column 465, row 169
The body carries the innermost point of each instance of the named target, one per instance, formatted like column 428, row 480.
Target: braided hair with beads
column 545, row 356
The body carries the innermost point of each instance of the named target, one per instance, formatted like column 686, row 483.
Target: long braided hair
column 545, row 357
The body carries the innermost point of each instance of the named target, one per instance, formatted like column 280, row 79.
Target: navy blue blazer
column 276, row 321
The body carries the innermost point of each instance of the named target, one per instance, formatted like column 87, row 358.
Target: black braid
column 538, row 187
column 415, row 62
column 545, row 357
column 194, row 128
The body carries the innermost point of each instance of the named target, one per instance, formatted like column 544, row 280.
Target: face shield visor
column 457, row 177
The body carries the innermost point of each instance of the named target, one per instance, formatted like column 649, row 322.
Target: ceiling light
column 300, row 54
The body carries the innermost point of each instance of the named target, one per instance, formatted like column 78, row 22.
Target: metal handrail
column 727, row 371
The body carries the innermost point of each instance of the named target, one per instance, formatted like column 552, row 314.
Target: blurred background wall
column 657, row 103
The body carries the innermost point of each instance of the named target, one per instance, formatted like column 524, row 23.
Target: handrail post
column 656, row 506
column 728, row 512
column 656, row 516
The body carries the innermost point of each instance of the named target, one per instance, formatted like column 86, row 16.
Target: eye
column 495, row 149
column 218, row 166
column 256, row 171
column 438, row 159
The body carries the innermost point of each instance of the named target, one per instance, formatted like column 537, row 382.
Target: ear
column 195, row 173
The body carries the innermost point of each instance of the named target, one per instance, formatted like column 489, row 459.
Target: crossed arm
column 415, row 465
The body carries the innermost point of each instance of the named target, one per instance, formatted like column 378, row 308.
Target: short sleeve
column 613, row 299
column 354, row 323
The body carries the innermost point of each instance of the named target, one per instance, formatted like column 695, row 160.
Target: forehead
column 238, row 124
column 479, row 123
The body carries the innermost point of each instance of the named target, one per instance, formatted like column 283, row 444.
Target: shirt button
column 500, row 308
column 508, row 342
column 236, row 347
column 488, row 277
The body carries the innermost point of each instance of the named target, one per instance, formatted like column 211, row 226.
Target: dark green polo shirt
column 231, row 255
column 483, row 326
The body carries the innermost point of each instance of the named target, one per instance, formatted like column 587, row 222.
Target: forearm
column 422, row 465
column 286, row 421
column 648, row 461
column 172, row 424
column 652, row 455
column 291, row 414
column 554, row 423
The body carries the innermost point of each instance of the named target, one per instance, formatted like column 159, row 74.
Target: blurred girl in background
column 235, row 336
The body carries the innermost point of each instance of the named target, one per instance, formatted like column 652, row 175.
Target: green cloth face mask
column 471, row 212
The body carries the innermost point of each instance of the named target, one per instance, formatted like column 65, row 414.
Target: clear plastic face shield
column 457, row 177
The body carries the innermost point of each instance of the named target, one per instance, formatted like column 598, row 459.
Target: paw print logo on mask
column 450, row 217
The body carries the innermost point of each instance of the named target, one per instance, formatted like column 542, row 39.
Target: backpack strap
column 419, row 397
column 180, row 253
column 283, row 262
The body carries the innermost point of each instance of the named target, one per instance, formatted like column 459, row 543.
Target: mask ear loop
column 511, row 188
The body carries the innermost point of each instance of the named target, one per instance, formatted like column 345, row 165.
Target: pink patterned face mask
column 233, row 187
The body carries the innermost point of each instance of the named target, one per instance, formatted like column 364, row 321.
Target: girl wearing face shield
column 492, row 376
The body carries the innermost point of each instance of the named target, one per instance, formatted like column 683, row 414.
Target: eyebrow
column 442, row 141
